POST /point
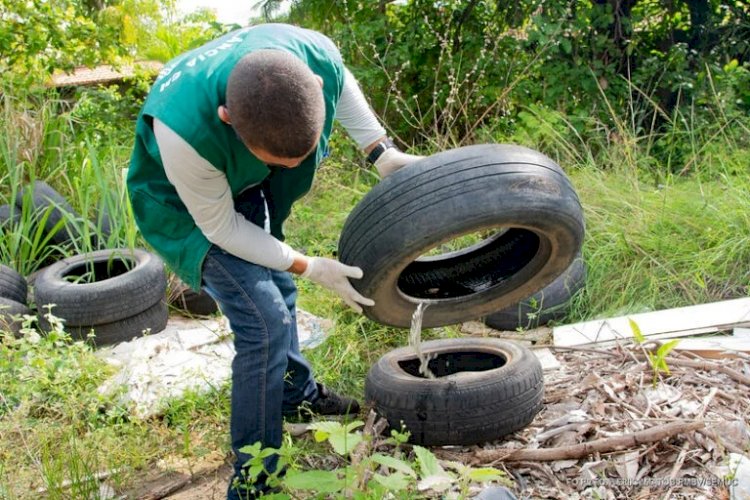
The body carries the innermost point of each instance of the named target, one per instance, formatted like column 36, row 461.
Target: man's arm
column 362, row 125
column 206, row 193
column 208, row 198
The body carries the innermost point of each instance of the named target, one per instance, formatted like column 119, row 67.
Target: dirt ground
column 212, row 486
column 667, row 440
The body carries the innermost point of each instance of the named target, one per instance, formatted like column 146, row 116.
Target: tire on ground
column 549, row 304
column 56, row 211
column 9, row 217
column 484, row 389
column 13, row 286
column 188, row 301
column 125, row 283
column 152, row 320
column 520, row 194
column 10, row 312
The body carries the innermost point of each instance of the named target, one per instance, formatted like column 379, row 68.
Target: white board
column 678, row 322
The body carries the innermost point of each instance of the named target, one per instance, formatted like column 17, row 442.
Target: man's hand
column 392, row 159
column 334, row 275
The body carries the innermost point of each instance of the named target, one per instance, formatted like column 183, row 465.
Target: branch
column 582, row 450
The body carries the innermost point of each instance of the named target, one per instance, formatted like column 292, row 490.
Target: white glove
column 334, row 275
column 392, row 159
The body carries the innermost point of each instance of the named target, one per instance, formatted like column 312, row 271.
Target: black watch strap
column 379, row 149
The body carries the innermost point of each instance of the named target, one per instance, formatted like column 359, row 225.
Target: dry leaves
column 597, row 395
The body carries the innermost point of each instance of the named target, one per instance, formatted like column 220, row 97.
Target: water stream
column 415, row 340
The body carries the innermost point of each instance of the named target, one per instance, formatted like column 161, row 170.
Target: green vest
column 185, row 97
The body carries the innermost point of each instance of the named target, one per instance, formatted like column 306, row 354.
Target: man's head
column 275, row 103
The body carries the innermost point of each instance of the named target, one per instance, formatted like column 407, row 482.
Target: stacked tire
column 116, row 294
column 13, row 291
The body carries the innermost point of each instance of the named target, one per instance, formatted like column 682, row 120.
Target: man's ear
column 320, row 80
column 223, row 113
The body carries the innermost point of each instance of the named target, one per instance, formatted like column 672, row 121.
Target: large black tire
column 518, row 192
column 13, row 286
column 125, row 283
column 45, row 199
column 9, row 217
column 152, row 320
column 483, row 390
column 189, row 302
column 9, row 311
column 549, row 304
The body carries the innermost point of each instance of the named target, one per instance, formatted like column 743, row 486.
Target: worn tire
column 518, row 192
column 187, row 301
column 13, row 286
column 500, row 395
column 8, row 217
column 154, row 319
column 9, row 308
column 549, row 304
column 121, row 293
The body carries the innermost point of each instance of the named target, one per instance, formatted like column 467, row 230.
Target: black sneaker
column 330, row 403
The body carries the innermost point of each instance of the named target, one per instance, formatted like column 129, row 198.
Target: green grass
column 667, row 225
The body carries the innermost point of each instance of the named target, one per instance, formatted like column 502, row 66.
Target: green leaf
column 485, row 474
column 566, row 46
column 343, row 442
column 327, row 427
column 666, row 348
column 428, row 463
column 394, row 482
column 356, row 424
column 731, row 65
column 254, row 471
column 321, row 481
column 320, row 436
column 393, row 463
column 639, row 337
column 251, row 449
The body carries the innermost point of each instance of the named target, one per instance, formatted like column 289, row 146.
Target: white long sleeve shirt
column 206, row 193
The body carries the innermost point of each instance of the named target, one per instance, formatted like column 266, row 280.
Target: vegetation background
column 643, row 102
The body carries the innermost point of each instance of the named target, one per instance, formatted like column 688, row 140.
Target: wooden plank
column 678, row 322
column 715, row 347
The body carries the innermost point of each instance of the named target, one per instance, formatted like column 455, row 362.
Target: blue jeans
column 270, row 377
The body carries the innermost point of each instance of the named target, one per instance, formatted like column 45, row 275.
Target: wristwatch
column 379, row 149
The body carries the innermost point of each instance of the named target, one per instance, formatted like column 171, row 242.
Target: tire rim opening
column 450, row 363
column 94, row 272
column 479, row 267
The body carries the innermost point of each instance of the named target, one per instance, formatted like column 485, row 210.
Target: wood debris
column 607, row 431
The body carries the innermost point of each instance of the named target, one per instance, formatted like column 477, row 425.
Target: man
column 228, row 138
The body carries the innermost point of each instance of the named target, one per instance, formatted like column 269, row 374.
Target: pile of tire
column 116, row 294
column 531, row 228
column 13, row 294
column 104, row 297
column 62, row 225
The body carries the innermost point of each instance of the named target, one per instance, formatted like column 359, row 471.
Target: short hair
column 275, row 103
